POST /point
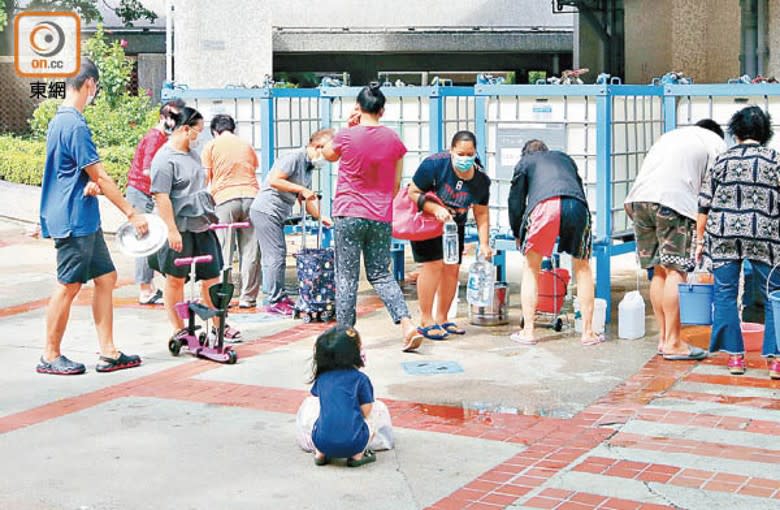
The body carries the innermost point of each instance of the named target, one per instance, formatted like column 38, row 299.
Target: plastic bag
column 379, row 421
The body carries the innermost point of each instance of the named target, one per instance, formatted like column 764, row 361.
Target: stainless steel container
column 495, row 315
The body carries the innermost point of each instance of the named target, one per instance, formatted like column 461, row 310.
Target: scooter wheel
column 558, row 324
column 306, row 318
column 174, row 347
column 522, row 322
column 232, row 358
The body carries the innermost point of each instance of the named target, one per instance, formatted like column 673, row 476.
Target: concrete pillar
column 151, row 73
column 773, row 41
column 648, row 49
column 215, row 47
column 689, row 38
column 722, row 44
column 702, row 39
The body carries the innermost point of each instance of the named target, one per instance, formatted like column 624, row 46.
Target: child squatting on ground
column 346, row 398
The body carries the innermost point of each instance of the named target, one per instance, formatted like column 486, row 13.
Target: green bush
column 116, row 118
column 122, row 124
column 22, row 161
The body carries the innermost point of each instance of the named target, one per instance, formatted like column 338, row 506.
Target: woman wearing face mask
column 458, row 180
column 139, row 195
column 186, row 206
column 370, row 159
column 289, row 180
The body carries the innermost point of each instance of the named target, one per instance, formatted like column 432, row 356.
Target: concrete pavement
column 554, row 426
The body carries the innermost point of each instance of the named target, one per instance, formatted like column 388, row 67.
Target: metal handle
column 769, row 279
column 185, row 261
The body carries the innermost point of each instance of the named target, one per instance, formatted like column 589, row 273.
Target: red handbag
column 411, row 224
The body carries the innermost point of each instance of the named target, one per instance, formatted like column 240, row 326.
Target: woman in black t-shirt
column 459, row 181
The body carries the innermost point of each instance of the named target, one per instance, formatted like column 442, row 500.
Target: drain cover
column 431, row 367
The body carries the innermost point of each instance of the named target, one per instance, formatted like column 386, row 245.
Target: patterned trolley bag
column 316, row 278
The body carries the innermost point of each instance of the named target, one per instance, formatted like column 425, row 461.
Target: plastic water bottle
column 449, row 241
column 480, row 288
column 631, row 316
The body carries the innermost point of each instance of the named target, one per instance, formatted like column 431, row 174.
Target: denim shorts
column 83, row 258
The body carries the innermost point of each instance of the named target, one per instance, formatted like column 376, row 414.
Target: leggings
column 354, row 236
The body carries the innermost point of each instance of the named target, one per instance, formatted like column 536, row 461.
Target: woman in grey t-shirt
column 289, row 180
column 186, row 206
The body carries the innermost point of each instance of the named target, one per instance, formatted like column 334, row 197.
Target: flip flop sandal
column 426, row 332
column 154, row 299
column 522, row 340
column 320, row 462
column 368, row 457
column 413, row 343
column 599, row 339
column 232, row 335
column 695, row 354
column 453, row 329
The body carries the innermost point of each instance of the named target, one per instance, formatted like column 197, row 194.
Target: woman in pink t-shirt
column 370, row 166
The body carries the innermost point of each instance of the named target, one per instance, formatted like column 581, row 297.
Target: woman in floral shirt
column 739, row 208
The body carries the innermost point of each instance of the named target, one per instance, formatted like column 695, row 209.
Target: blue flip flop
column 426, row 332
column 453, row 329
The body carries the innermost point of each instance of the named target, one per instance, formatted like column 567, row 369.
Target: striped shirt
column 741, row 195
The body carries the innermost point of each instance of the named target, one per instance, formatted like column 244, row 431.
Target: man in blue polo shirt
column 70, row 216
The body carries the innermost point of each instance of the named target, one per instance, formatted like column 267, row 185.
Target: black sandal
column 121, row 362
column 368, row 457
column 320, row 462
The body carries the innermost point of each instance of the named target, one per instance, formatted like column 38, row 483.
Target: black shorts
column 80, row 259
column 193, row 244
column 431, row 249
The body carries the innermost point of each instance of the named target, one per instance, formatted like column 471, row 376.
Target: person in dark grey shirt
column 289, row 180
column 547, row 202
column 187, row 208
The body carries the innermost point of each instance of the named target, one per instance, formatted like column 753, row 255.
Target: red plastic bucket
column 552, row 290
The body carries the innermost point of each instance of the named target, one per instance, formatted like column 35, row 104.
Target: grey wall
column 222, row 43
column 417, row 13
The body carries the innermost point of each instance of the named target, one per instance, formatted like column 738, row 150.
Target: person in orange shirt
column 230, row 164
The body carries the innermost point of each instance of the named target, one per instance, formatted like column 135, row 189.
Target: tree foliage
column 128, row 11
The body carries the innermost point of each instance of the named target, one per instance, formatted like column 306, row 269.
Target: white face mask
column 194, row 144
column 319, row 163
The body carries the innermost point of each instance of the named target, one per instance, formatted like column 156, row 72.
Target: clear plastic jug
column 480, row 288
column 449, row 240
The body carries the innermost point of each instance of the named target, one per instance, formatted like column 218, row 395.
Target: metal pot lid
column 135, row 246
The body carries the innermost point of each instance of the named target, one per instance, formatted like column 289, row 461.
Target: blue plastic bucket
column 774, row 299
column 696, row 303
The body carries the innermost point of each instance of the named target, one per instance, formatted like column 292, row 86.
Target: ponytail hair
column 371, row 99
column 186, row 117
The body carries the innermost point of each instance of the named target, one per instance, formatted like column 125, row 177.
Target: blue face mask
column 463, row 163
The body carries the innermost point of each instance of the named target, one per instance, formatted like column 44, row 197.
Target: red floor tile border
column 699, row 448
column 754, row 402
column 567, row 500
column 673, row 475
column 754, row 381
column 734, row 423
column 164, row 378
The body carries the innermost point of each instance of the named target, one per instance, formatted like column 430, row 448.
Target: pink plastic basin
column 753, row 335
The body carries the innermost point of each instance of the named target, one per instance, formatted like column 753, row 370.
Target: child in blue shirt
column 346, row 398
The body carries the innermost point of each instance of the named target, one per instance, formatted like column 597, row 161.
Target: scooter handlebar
column 186, row 261
column 222, row 226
